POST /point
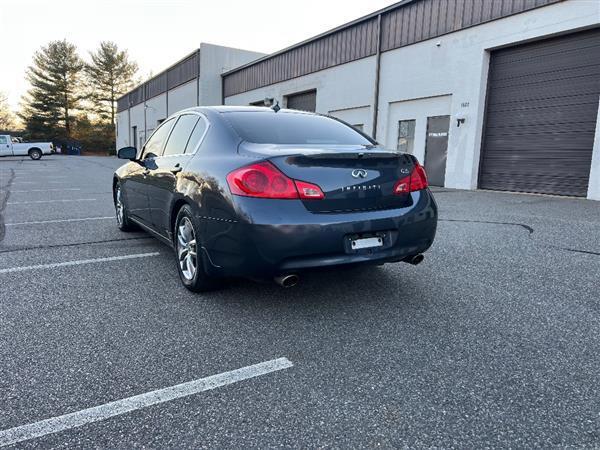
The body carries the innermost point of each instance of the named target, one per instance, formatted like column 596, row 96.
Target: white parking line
column 39, row 222
column 18, row 183
column 54, row 201
column 116, row 408
column 77, row 262
column 48, row 190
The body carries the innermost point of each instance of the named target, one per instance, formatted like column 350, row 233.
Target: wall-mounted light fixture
column 460, row 119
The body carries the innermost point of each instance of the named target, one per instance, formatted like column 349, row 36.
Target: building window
column 406, row 136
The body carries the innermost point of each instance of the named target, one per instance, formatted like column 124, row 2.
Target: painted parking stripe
column 77, row 262
column 48, row 190
column 18, row 183
column 116, row 408
column 40, row 222
column 54, row 201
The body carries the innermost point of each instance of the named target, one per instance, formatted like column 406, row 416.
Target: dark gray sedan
column 254, row 192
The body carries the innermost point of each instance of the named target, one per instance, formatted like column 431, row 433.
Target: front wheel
column 35, row 154
column 187, row 250
column 123, row 221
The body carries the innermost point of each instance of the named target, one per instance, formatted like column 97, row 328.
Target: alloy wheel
column 186, row 249
column 119, row 207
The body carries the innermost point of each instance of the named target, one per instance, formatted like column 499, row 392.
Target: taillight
column 309, row 191
column 416, row 181
column 264, row 180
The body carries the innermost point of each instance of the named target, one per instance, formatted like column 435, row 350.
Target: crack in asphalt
column 4, row 201
column 575, row 250
column 527, row 227
column 74, row 244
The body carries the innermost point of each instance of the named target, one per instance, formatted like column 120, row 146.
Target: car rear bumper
column 277, row 237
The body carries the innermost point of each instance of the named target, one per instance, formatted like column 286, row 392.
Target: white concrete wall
column 137, row 120
column 183, row 96
column 459, row 67
column 214, row 60
column 418, row 110
column 156, row 112
column 342, row 87
column 354, row 116
column 123, row 137
column 456, row 69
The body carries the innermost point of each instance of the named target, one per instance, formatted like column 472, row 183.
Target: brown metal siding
column 350, row 44
column 136, row 96
column 156, row 86
column 123, row 103
column 183, row 72
column 407, row 23
column 426, row 19
column 541, row 115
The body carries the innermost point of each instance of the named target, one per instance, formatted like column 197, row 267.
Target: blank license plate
column 357, row 244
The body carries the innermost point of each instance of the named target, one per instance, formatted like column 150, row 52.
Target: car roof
column 228, row 109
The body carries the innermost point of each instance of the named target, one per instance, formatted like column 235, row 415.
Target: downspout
column 167, row 96
column 377, row 76
column 222, row 90
column 198, row 82
column 128, row 121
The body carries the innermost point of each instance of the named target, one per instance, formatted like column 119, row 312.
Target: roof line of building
column 319, row 36
column 159, row 73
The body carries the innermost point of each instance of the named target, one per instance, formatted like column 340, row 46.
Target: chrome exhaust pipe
column 416, row 259
column 287, row 281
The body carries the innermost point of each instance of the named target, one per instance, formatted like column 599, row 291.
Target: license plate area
column 361, row 243
column 367, row 242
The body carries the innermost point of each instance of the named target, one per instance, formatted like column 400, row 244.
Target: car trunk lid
column 353, row 178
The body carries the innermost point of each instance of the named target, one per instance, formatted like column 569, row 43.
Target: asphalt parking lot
column 494, row 341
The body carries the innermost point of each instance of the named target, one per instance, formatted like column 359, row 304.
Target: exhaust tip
column 416, row 259
column 287, row 281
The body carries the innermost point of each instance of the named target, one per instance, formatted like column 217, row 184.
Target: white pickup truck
column 11, row 146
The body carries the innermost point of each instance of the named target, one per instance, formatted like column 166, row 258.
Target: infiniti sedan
column 267, row 194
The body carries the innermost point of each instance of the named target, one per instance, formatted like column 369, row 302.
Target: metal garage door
column 541, row 116
column 305, row 101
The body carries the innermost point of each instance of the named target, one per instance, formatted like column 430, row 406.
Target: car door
column 137, row 184
column 169, row 172
column 5, row 146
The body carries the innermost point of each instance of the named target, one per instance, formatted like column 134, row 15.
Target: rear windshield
column 291, row 128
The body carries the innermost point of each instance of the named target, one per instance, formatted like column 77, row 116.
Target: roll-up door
column 541, row 114
column 305, row 101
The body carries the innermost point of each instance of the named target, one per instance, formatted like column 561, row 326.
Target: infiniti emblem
column 359, row 173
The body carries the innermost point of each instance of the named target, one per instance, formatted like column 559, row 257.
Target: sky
column 157, row 33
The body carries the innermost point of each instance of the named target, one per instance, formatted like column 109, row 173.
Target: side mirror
column 127, row 153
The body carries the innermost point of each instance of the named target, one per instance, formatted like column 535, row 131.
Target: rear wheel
column 123, row 221
column 35, row 154
column 187, row 250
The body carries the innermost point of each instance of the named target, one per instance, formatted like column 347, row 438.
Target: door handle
column 176, row 169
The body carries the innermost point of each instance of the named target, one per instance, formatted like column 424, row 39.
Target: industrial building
column 489, row 94
column 194, row 80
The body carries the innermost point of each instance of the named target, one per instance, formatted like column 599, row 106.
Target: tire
column 190, row 264
column 123, row 221
column 35, row 154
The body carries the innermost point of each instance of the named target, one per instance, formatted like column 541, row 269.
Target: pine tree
column 55, row 93
column 110, row 75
